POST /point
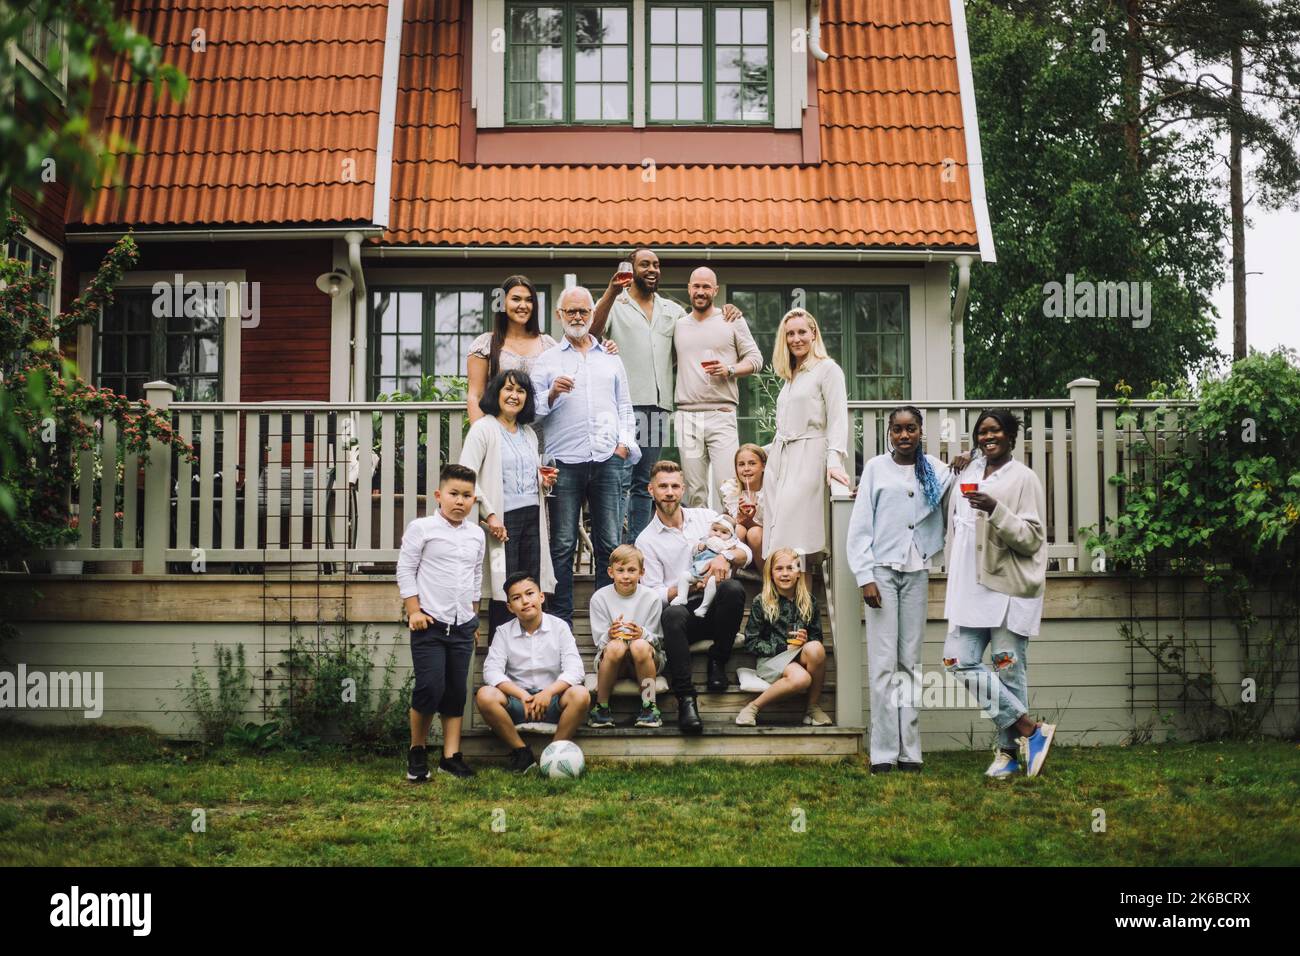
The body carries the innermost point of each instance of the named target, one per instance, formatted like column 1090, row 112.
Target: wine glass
column 550, row 469
column 709, row 357
column 573, row 366
column 624, row 274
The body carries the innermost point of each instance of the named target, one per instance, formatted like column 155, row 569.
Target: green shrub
column 216, row 710
column 1222, row 502
column 329, row 694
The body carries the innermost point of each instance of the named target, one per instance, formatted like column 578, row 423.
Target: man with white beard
column 583, row 396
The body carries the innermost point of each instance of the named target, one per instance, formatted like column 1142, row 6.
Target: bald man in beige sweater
column 712, row 355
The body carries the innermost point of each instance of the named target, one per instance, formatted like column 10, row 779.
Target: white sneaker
column 1034, row 748
column 1004, row 765
column 748, row 716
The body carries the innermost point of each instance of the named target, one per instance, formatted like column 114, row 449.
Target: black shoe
column 688, row 716
column 906, row 767
column 881, row 767
column 522, row 760
column 456, row 766
column 717, row 677
column 417, row 765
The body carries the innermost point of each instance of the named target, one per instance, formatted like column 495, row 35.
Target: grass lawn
column 119, row 797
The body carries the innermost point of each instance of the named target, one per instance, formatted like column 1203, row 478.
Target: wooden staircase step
column 666, row 744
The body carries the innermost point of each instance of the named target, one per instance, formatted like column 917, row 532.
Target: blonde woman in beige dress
column 811, row 443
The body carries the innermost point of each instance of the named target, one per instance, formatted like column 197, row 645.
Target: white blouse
column 969, row 603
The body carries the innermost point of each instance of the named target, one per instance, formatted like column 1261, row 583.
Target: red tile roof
column 288, row 89
column 284, row 94
column 890, row 111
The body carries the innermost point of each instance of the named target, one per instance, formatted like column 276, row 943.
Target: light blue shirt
column 890, row 515
column 588, row 423
column 518, row 470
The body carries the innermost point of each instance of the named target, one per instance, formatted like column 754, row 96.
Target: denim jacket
column 889, row 514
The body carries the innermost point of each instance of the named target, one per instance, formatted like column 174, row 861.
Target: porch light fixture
column 334, row 283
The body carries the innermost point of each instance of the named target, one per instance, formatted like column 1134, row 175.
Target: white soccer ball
column 563, row 758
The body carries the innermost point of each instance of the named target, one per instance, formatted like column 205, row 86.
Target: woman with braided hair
column 896, row 528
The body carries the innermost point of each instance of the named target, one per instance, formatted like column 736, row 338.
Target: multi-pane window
column 865, row 331
column 568, row 63
column 35, row 260
column 710, row 63
column 420, row 330
column 135, row 346
column 43, row 43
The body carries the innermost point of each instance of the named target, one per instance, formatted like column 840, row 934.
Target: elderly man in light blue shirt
column 584, row 398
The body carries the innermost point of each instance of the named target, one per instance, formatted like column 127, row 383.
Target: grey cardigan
column 1012, row 541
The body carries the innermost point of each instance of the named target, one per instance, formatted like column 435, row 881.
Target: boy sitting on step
column 625, row 629
column 533, row 672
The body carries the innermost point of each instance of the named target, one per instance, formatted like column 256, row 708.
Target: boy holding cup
column 625, row 629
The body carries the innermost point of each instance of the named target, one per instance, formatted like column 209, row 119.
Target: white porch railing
column 274, row 482
column 297, row 482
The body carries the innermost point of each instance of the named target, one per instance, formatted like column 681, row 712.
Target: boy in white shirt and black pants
column 440, row 574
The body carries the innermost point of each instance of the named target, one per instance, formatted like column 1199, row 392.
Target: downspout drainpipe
column 359, row 336
column 815, row 32
column 959, row 328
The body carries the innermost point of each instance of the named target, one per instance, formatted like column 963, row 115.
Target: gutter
column 203, row 234
column 359, row 332
column 705, row 253
column 815, row 32
column 959, row 328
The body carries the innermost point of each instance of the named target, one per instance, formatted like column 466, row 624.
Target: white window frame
column 230, row 329
column 57, row 84
column 790, row 67
column 49, row 248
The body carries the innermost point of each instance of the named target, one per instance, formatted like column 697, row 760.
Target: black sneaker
column 522, row 760
column 455, row 765
column 882, row 767
column 417, row 765
column 907, row 767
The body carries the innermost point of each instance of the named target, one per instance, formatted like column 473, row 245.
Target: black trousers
column 440, row 657
column 523, row 553
column 681, row 627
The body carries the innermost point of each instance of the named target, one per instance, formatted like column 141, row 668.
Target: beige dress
column 812, row 434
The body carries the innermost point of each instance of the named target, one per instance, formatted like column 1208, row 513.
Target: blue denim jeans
column 636, row 507
column 599, row 483
column 895, row 633
column 1002, row 690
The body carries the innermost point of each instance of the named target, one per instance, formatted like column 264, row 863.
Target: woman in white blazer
column 501, row 447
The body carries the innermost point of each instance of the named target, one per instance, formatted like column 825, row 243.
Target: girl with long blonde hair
column 785, row 633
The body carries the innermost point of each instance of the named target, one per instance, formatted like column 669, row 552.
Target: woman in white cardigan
column 501, row 447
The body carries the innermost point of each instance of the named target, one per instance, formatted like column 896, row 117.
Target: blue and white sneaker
column 1003, row 765
column 1033, row 749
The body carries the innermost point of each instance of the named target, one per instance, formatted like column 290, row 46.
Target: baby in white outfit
column 721, row 538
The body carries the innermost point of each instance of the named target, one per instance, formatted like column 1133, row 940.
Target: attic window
column 42, row 50
column 710, row 63
column 568, row 63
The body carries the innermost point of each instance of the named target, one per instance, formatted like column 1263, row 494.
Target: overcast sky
column 1272, row 298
